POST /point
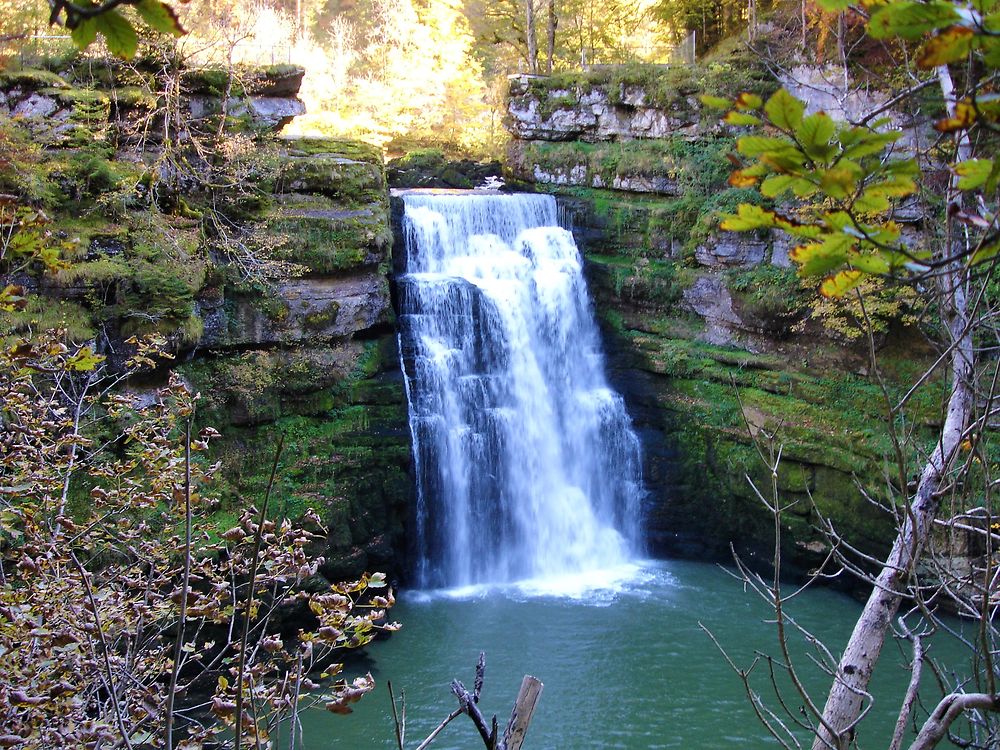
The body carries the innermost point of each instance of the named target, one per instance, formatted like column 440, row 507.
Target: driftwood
column 520, row 716
column 468, row 704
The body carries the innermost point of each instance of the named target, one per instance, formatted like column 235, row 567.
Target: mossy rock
column 31, row 79
column 316, row 146
column 349, row 461
column 321, row 319
column 671, row 88
column 274, row 80
column 332, row 242
column 347, row 179
column 79, row 96
column 134, row 99
column 211, row 81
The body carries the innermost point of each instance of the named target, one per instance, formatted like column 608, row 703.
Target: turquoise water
column 624, row 667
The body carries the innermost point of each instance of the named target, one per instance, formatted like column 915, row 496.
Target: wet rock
column 709, row 298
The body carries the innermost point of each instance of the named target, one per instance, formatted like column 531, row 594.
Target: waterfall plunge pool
column 527, row 467
column 625, row 667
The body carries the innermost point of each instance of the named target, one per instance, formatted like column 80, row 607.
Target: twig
column 258, row 536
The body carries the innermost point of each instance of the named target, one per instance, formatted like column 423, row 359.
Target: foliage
column 112, row 609
column 842, row 183
column 877, row 308
column 26, row 241
column 775, row 296
column 712, row 21
column 846, row 173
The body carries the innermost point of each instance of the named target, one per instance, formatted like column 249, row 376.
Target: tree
column 530, row 36
column 840, row 182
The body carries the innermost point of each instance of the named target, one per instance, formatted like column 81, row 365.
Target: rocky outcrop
column 314, row 357
column 635, row 166
column 53, row 107
column 263, row 266
column 540, row 109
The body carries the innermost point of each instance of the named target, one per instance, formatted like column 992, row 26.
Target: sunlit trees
column 569, row 33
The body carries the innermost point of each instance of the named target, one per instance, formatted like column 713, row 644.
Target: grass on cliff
column 665, row 87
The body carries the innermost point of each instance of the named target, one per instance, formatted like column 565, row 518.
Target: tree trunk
column 529, row 7
column 844, row 703
column 553, row 22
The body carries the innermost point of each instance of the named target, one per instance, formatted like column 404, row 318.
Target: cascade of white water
column 526, row 462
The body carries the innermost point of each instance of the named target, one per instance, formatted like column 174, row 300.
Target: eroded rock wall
column 261, row 262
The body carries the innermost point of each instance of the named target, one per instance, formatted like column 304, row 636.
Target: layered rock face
column 714, row 341
column 622, row 110
column 262, row 262
column 314, row 358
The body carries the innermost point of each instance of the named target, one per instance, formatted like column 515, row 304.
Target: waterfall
column 527, row 466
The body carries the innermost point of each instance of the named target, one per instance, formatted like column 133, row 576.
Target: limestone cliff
column 262, row 262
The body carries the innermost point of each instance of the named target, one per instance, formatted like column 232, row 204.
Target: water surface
column 624, row 667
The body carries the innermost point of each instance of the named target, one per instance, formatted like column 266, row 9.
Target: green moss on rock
column 31, row 79
column 332, row 243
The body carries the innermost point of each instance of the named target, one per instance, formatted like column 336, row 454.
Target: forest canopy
column 397, row 73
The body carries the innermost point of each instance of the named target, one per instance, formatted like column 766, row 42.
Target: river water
column 626, row 667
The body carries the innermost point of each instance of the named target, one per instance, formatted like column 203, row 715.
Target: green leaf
column 870, row 263
column 973, row 173
column 747, row 217
column 840, row 284
column 85, row 33
column 84, row 360
column 949, row 46
column 755, row 145
column 834, row 6
column 118, row 33
column 160, row 17
column 777, row 184
column 860, row 142
column 791, row 161
column 911, row 20
column 715, row 102
column 991, row 51
column 785, row 110
column 985, row 253
column 746, row 101
column 993, row 179
column 803, row 188
column 840, row 181
column 741, row 119
column 821, row 258
column 871, row 203
column 896, row 186
column 815, row 133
